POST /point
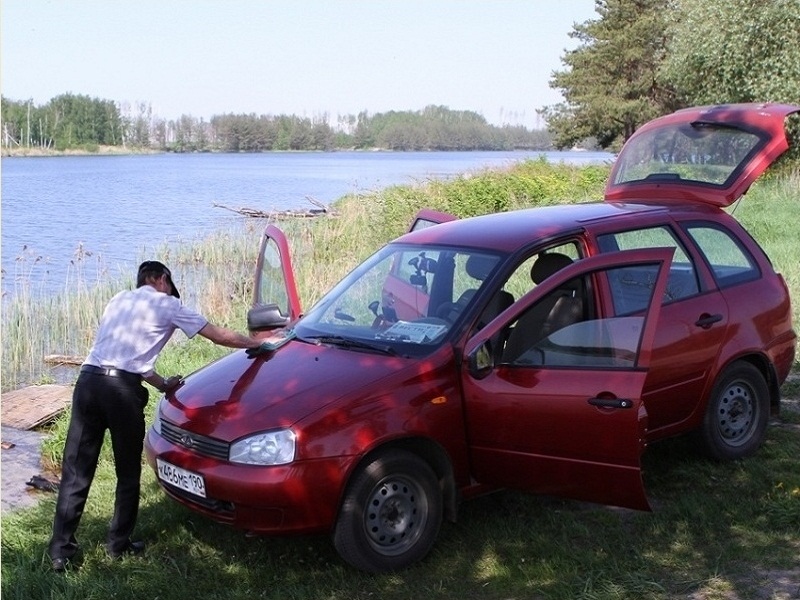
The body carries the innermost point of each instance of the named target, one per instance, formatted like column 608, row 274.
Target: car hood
column 707, row 154
column 237, row 394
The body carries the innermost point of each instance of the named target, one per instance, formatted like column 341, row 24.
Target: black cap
column 153, row 268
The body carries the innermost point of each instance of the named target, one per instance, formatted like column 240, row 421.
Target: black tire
column 391, row 513
column 735, row 422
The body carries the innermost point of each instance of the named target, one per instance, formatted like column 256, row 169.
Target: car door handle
column 706, row 320
column 611, row 402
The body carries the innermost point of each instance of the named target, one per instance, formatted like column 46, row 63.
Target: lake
column 115, row 210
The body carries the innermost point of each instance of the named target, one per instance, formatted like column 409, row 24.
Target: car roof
column 509, row 231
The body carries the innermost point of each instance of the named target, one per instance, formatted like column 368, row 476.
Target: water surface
column 56, row 211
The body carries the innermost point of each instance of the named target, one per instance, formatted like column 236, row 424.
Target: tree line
column 77, row 121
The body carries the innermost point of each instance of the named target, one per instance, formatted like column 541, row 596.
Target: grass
column 717, row 530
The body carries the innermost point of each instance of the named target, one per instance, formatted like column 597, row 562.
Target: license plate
column 181, row 478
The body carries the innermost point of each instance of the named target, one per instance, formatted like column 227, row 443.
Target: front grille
column 195, row 442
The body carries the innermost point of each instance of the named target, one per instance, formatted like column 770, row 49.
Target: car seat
column 562, row 307
column 478, row 267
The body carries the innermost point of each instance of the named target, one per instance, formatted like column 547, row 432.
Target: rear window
column 730, row 262
column 697, row 152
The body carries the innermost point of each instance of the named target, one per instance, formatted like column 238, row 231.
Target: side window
column 729, row 261
column 271, row 281
column 559, row 331
column 528, row 274
column 630, row 288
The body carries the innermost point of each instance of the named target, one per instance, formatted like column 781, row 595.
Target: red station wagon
column 537, row 350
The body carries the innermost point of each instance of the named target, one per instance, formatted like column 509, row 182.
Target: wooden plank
column 29, row 407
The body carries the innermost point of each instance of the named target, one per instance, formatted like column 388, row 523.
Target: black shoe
column 61, row 564
column 132, row 549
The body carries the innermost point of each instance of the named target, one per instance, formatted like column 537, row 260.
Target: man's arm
column 227, row 337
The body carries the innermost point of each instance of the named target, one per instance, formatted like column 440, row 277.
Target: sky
column 311, row 58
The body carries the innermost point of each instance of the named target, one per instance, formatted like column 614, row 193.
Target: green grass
column 717, row 530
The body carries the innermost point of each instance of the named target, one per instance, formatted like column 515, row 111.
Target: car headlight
column 271, row 448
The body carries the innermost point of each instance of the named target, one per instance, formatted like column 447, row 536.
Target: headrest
column 547, row 264
column 479, row 266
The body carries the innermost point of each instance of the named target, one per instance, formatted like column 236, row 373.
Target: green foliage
column 67, row 121
column 734, row 51
column 610, row 84
column 645, row 58
column 526, row 184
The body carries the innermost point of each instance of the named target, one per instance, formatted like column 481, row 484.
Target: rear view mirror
column 265, row 316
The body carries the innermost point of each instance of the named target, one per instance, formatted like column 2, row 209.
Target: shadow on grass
column 715, row 527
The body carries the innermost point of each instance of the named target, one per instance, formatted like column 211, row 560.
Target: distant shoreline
column 128, row 151
column 101, row 151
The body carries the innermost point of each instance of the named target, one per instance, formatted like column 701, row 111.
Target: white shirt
column 136, row 325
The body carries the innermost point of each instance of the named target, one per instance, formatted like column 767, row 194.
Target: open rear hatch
column 707, row 154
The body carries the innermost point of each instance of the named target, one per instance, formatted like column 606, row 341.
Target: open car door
column 275, row 299
column 565, row 417
column 427, row 217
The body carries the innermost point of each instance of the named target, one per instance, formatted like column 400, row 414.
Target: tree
column 737, row 51
column 611, row 85
column 734, row 51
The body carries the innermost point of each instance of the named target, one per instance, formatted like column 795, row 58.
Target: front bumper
column 301, row 497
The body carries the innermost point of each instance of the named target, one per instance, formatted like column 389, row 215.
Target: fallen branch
column 62, row 359
column 321, row 210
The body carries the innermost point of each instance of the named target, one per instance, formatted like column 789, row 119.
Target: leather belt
column 109, row 372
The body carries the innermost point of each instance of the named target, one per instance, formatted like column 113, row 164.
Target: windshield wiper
column 343, row 342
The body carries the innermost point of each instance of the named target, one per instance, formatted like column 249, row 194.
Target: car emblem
column 187, row 441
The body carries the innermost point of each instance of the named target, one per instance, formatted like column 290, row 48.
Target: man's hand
column 272, row 343
column 263, row 348
column 171, row 383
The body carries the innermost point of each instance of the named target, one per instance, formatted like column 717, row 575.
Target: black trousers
column 100, row 402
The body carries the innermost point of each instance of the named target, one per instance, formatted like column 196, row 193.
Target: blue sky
column 311, row 58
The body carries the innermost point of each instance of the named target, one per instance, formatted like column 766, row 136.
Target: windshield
column 403, row 297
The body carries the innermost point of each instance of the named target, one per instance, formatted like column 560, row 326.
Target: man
column 135, row 326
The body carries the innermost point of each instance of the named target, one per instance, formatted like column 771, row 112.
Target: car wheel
column 735, row 422
column 391, row 513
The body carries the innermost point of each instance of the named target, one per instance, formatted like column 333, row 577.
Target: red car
column 539, row 350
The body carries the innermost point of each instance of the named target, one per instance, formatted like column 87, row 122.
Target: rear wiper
column 343, row 342
column 664, row 176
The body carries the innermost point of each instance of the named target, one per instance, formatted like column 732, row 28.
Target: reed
column 35, row 324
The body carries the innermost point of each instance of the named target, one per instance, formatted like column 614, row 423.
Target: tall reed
column 36, row 324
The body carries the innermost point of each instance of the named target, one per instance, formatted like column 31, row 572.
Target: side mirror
column 480, row 361
column 265, row 316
